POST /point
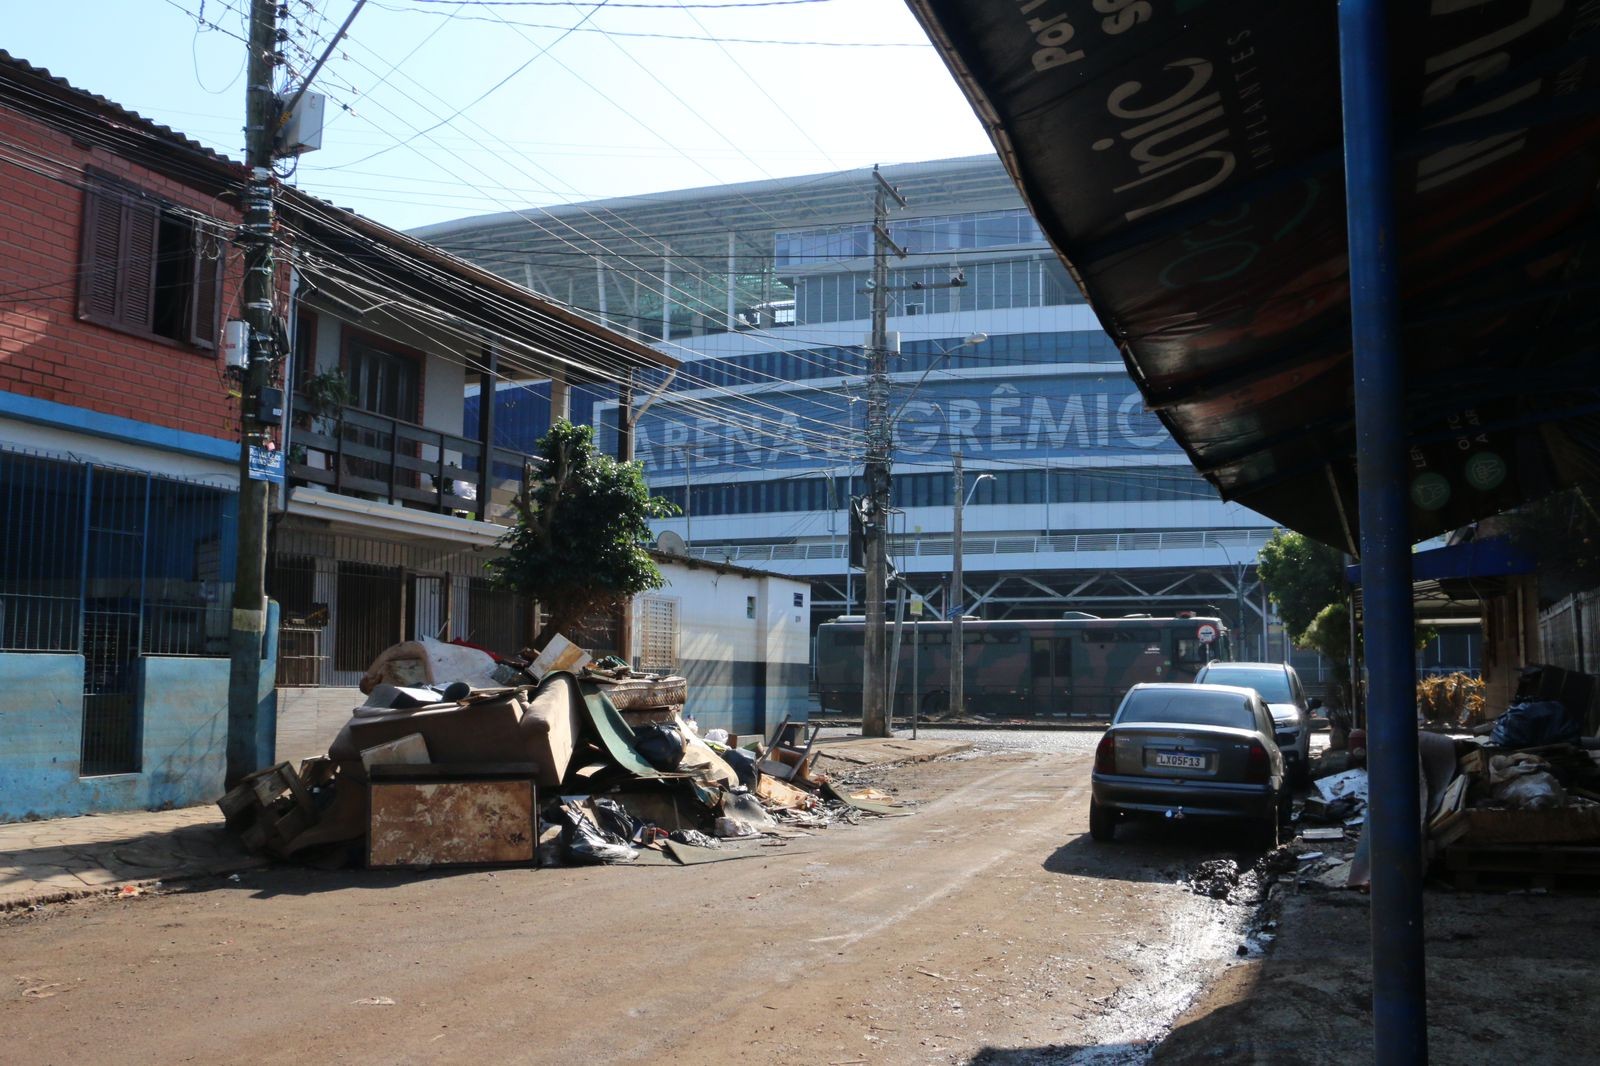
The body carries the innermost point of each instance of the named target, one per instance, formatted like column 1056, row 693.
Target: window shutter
column 210, row 256
column 102, row 248
column 136, row 299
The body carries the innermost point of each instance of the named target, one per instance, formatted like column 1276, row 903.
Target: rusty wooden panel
column 443, row 823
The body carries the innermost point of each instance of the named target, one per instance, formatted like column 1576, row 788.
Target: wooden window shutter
column 136, row 298
column 102, row 252
column 210, row 256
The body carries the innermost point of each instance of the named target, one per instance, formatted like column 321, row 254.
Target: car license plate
column 1183, row 762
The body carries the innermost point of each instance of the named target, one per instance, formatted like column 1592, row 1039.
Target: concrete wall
column 309, row 719
column 742, row 645
column 183, row 741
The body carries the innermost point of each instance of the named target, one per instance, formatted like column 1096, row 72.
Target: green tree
column 1302, row 576
column 579, row 543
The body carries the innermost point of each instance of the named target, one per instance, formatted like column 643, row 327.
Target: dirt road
column 984, row 926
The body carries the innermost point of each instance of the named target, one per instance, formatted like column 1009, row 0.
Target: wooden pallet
column 1513, row 866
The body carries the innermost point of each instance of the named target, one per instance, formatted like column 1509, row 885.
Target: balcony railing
column 356, row 453
column 940, row 544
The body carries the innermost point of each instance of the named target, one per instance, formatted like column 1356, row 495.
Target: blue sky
column 587, row 109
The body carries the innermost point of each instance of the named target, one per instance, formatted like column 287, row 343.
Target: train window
column 1122, row 636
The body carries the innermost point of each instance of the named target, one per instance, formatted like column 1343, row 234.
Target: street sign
column 266, row 465
column 1207, row 633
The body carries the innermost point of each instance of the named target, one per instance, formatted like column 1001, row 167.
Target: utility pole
column 246, row 743
column 957, row 607
column 874, row 717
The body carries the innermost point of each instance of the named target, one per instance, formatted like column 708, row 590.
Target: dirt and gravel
column 983, row 927
column 1510, row 980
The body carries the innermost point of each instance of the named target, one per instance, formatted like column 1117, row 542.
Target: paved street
column 983, row 926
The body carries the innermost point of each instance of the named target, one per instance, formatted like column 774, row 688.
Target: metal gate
column 111, row 564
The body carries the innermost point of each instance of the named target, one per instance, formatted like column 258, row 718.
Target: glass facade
column 840, row 297
column 967, row 231
column 1076, row 485
column 803, row 364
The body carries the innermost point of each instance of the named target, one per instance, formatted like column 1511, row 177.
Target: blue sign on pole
column 266, row 465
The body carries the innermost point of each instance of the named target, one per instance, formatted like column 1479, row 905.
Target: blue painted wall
column 183, row 743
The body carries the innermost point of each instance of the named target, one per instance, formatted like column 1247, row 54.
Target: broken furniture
column 269, row 809
column 789, row 755
column 474, row 814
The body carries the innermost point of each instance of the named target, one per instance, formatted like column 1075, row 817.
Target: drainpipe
column 1399, row 1006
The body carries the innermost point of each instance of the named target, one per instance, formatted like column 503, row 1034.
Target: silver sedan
column 1190, row 751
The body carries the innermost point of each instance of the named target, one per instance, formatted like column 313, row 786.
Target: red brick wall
column 45, row 350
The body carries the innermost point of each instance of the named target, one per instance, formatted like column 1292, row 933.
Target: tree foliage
column 1303, row 577
column 579, row 544
column 1562, row 531
column 1329, row 633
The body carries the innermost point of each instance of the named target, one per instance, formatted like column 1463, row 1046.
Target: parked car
column 1280, row 686
column 1190, row 751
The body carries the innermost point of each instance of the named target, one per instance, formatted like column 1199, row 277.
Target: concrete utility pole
column 874, row 719
column 957, row 606
column 246, row 743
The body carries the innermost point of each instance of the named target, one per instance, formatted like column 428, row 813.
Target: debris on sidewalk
column 457, row 758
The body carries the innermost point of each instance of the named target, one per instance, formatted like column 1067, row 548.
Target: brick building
column 119, row 452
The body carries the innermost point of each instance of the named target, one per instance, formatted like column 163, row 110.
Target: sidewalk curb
column 902, row 760
column 13, row 904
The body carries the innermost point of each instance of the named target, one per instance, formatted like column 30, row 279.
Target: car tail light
column 1258, row 767
column 1105, row 755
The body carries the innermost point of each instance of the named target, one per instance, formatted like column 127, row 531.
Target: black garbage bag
column 660, row 745
column 1532, row 724
column 583, row 842
column 614, row 821
column 744, row 764
column 694, row 837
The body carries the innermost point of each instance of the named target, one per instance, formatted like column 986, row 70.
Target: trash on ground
column 459, row 757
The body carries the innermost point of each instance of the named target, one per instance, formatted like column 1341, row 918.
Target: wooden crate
column 1520, row 866
column 1478, row 825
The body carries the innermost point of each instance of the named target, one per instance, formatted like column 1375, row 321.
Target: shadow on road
column 1152, row 851
column 1061, row 1055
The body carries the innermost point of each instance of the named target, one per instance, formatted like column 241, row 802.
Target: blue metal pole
column 1399, row 1008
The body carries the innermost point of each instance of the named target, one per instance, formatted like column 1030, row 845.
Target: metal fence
column 112, row 564
column 1569, row 633
column 344, row 599
column 940, row 544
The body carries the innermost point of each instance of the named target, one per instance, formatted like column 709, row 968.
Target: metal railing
column 354, row 452
column 940, row 545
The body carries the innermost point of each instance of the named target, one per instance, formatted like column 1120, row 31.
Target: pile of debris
column 458, row 758
column 1514, row 803
column 1523, row 809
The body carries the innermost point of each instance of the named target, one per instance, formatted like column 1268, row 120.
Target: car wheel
column 1266, row 831
column 1102, row 823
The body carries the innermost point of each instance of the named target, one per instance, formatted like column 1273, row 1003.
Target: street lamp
column 958, row 648
column 940, row 356
column 1238, row 594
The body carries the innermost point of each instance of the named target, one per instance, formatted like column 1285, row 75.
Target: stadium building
column 1079, row 500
